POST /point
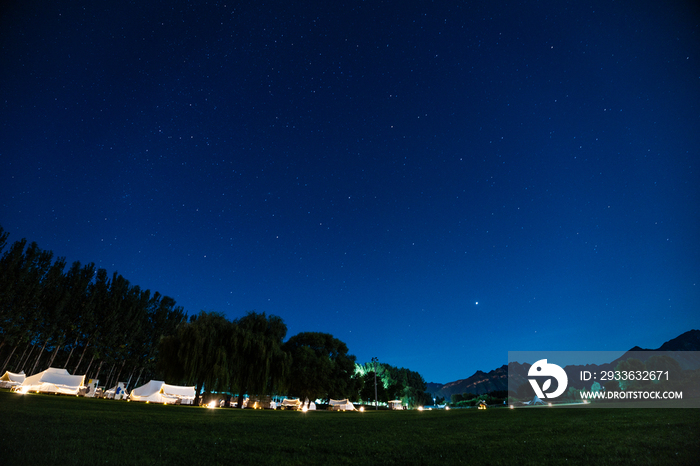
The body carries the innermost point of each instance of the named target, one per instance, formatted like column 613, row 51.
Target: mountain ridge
column 483, row 382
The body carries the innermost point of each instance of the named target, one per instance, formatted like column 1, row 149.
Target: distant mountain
column 480, row 382
column 497, row 379
column 689, row 341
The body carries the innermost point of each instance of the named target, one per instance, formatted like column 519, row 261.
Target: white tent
column 308, row 405
column 157, row 391
column 341, row 405
column 290, row 404
column 10, row 379
column 52, row 380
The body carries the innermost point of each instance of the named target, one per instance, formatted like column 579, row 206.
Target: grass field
column 46, row 429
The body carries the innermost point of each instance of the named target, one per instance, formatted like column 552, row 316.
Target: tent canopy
column 341, row 405
column 10, row 379
column 157, row 391
column 287, row 403
column 53, row 380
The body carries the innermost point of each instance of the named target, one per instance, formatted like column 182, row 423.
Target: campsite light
column 362, row 409
column 304, row 409
column 420, row 408
column 512, row 407
column 550, row 404
column 447, row 408
column 211, row 404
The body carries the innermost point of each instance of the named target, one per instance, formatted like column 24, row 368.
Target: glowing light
column 420, row 408
column 447, row 408
column 211, row 405
column 304, row 409
column 550, row 404
column 362, row 409
column 512, row 407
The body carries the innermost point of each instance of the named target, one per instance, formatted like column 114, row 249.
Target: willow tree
column 197, row 353
column 321, row 367
column 260, row 364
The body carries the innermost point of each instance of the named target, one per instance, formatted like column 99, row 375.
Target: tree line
column 79, row 317
column 249, row 356
column 393, row 383
column 89, row 322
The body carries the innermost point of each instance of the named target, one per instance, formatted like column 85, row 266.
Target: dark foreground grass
column 45, row 429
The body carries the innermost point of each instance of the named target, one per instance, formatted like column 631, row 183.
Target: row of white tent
column 333, row 405
column 294, row 403
column 54, row 380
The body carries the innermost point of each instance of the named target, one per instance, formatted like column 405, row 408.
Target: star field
column 435, row 184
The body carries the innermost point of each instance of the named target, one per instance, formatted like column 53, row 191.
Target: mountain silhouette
column 484, row 382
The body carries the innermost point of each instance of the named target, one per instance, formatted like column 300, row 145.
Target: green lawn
column 45, row 429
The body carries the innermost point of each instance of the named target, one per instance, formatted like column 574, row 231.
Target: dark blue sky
column 370, row 169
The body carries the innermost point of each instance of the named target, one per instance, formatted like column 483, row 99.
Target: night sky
column 433, row 183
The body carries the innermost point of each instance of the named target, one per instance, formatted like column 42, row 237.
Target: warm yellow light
column 512, row 407
column 420, row 408
column 362, row 409
column 447, row 408
column 304, row 409
column 211, row 405
column 550, row 404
